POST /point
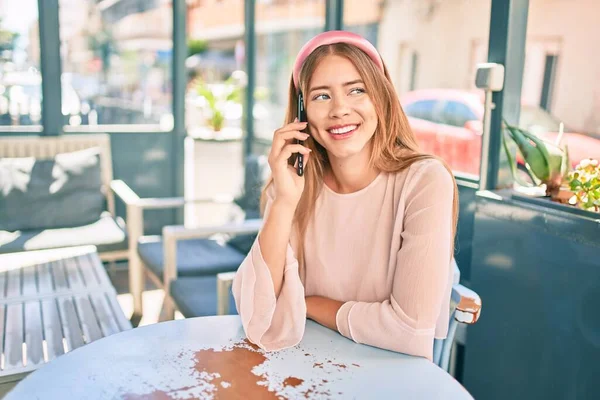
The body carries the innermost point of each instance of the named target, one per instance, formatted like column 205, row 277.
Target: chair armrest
column 130, row 198
column 179, row 232
column 124, row 192
column 177, row 202
column 173, row 233
column 468, row 306
column 224, row 282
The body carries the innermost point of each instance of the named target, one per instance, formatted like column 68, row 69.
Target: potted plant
column 214, row 148
column 217, row 98
column 547, row 164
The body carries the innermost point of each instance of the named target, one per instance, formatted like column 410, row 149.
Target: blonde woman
column 362, row 241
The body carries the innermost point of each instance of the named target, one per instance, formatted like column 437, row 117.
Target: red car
column 447, row 123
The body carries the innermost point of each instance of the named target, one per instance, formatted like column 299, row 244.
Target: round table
column 209, row 357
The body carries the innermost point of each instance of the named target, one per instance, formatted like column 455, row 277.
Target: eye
column 357, row 90
column 321, row 96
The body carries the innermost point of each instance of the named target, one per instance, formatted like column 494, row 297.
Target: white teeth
column 343, row 130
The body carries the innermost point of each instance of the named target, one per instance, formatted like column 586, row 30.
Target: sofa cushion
column 197, row 297
column 60, row 192
column 196, row 257
column 107, row 234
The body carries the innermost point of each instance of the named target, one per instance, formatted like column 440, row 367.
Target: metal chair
column 465, row 308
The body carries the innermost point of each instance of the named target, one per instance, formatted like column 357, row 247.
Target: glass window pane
column 20, row 79
column 431, row 54
column 457, row 114
column 216, row 68
column 116, row 62
column 560, row 78
column 282, row 28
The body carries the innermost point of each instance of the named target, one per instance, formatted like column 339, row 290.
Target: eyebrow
column 354, row 82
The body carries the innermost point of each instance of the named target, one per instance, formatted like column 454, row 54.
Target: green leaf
column 532, row 154
column 513, row 165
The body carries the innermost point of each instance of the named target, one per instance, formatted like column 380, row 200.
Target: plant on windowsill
column 584, row 182
column 546, row 163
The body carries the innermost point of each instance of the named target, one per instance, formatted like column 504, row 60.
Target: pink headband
column 331, row 37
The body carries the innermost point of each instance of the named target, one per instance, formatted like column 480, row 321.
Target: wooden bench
column 51, row 302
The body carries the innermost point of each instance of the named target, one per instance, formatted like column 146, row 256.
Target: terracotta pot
column 562, row 195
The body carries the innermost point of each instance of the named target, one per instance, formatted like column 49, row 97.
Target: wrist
column 308, row 300
column 287, row 208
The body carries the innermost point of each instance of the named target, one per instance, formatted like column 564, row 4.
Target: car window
column 457, row 114
column 423, row 109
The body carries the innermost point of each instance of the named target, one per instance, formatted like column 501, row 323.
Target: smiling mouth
column 343, row 131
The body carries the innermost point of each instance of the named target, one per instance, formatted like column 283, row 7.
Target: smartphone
column 301, row 118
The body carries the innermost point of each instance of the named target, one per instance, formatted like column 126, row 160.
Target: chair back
column 44, row 147
column 442, row 347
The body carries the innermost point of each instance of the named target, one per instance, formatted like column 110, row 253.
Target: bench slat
column 72, row 274
column 29, row 281
column 52, row 329
column 88, row 320
column 13, row 288
column 45, row 285
column 58, row 273
column 2, row 332
column 104, row 314
column 3, row 284
column 13, row 345
column 124, row 323
column 70, row 323
column 33, row 333
column 87, row 266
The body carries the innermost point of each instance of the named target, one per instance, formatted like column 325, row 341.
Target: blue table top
column 210, row 358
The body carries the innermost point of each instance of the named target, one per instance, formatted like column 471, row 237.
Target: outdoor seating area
column 135, row 147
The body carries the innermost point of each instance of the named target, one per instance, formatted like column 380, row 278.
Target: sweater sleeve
column 406, row 322
column 270, row 322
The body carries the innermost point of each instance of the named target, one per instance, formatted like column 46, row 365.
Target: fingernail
column 296, row 119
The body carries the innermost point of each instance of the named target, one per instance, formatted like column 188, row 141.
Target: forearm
column 273, row 240
column 323, row 310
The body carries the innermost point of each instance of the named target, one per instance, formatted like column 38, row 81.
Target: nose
column 339, row 107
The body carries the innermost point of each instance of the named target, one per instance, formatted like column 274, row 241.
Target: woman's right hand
column 288, row 185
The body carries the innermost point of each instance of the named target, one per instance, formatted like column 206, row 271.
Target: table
column 208, row 357
column 51, row 302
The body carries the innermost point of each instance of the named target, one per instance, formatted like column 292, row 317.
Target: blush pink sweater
column 384, row 251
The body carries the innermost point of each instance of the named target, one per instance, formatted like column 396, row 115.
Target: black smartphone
column 301, row 118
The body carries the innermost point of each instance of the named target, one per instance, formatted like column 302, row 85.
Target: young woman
column 362, row 241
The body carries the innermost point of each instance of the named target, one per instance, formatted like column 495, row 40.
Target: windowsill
column 122, row 128
column 12, row 129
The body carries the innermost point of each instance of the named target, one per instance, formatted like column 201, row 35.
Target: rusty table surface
column 208, row 357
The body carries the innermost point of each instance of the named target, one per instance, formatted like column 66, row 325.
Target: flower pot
column 213, row 168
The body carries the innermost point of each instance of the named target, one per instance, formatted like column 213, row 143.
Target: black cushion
column 197, row 297
column 107, row 233
column 64, row 191
column 197, row 257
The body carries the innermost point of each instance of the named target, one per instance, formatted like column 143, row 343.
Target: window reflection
column 116, row 62
column 216, row 68
column 431, row 54
column 282, row 28
column 20, row 79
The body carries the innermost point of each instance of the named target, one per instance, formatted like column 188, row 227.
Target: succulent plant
column 584, row 182
column 547, row 163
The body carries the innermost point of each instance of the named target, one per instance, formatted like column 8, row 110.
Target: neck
column 350, row 175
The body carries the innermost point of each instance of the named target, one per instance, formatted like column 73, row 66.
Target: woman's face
column 340, row 113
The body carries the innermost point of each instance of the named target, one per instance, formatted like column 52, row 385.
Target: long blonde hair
column 394, row 145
